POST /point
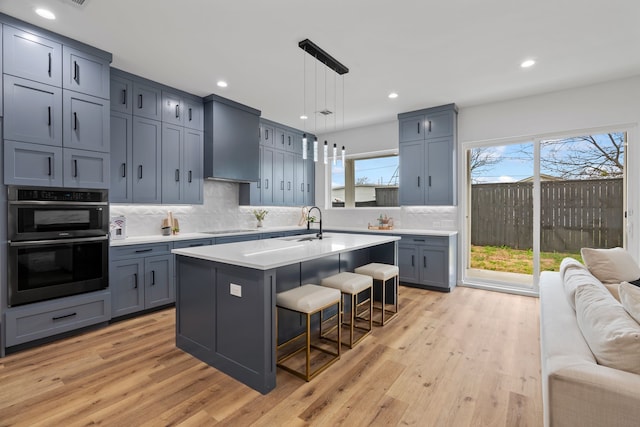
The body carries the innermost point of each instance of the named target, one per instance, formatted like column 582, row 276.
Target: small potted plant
column 260, row 214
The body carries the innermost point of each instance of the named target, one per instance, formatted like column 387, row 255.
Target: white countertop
column 157, row 238
column 273, row 253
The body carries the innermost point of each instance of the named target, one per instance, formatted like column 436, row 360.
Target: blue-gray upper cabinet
column 32, row 164
column 31, row 57
column 121, row 188
column 427, row 148
column 147, row 100
column 85, row 73
column 33, row 111
column 172, row 159
column 267, row 134
column 86, row 124
column 289, row 176
column 121, row 94
column 300, row 178
column 230, row 140
column 193, row 178
column 172, row 108
column 310, row 181
column 85, row 169
column 267, row 177
column 193, row 113
column 146, row 159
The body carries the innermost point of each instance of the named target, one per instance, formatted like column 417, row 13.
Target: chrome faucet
column 319, row 235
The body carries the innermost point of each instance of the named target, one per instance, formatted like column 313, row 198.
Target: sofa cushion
column 574, row 275
column 612, row 335
column 630, row 298
column 613, row 265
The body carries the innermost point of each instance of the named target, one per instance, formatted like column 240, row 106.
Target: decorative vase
column 259, row 223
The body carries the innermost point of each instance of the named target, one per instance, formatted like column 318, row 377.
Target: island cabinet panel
column 428, row 261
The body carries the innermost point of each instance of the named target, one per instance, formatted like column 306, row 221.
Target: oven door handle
column 58, row 241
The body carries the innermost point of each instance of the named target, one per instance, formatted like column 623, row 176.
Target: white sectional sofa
column 576, row 390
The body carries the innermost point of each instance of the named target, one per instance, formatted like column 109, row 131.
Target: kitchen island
column 225, row 295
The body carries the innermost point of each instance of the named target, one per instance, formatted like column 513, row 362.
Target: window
column 365, row 182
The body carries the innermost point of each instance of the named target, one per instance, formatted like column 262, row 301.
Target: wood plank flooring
column 468, row 358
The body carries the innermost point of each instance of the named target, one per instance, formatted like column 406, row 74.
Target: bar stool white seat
column 383, row 273
column 354, row 285
column 308, row 300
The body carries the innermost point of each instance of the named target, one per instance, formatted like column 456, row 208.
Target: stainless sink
column 307, row 238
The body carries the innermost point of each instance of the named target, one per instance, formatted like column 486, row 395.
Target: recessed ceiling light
column 528, row 63
column 303, row 117
column 393, row 95
column 46, row 14
column 222, row 83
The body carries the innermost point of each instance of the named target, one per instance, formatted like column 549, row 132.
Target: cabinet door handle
column 142, row 251
column 308, row 188
column 76, row 72
column 49, row 162
column 282, row 139
column 177, row 111
column 412, row 260
column 302, row 187
column 49, row 116
column 418, row 181
column 289, row 141
column 65, row 316
column 139, row 171
column 153, row 277
column 258, row 184
column 177, row 175
column 424, row 261
column 190, row 176
column 429, row 180
column 124, row 170
column 282, row 185
column 75, row 168
column 418, row 127
column 288, row 185
column 49, row 69
column 429, row 126
column 266, row 181
column 190, row 114
column 418, row 240
column 124, row 96
column 75, row 121
column 135, row 280
column 140, row 101
column 266, row 134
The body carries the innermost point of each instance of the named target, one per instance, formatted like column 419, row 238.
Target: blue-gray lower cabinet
column 45, row 319
column 428, row 261
column 32, row 164
column 141, row 277
column 238, row 238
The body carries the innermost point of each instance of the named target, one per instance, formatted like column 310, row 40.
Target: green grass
column 502, row 258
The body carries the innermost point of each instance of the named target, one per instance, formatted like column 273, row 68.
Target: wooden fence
column 573, row 214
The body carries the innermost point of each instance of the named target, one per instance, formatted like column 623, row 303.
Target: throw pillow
column 630, row 298
column 575, row 277
column 612, row 335
column 610, row 265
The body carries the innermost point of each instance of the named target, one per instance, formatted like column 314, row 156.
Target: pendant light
column 326, row 152
column 343, row 155
column 315, row 149
column 304, row 146
column 335, row 154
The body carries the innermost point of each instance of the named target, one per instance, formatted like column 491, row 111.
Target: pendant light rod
column 312, row 49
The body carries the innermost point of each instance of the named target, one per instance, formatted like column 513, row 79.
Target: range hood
column 231, row 140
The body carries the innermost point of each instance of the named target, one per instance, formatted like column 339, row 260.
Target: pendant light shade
column 335, row 154
column 315, row 149
column 304, row 146
column 343, row 155
column 326, row 152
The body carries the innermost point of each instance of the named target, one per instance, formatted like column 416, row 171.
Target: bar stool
column 383, row 273
column 354, row 285
column 308, row 300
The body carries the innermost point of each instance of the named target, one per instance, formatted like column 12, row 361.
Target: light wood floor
column 468, row 358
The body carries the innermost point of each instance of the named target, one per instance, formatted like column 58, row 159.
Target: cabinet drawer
column 425, row 240
column 86, row 73
column 140, row 250
column 41, row 320
column 192, row 243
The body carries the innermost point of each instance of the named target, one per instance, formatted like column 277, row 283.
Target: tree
column 362, row 180
column 481, row 160
column 584, row 157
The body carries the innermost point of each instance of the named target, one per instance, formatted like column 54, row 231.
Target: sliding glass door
column 532, row 203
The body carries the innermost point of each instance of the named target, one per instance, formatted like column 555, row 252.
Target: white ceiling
column 430, row 52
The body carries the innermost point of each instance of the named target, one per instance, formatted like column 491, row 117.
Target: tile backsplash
column 221, row 211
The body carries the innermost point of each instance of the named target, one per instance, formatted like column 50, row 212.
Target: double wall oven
column 58, row 243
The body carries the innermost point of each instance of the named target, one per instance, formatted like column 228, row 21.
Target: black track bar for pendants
column 314, row 50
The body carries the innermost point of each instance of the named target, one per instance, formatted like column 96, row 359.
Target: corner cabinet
column 428, row 261
column 427, row 146
column 286, row 179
